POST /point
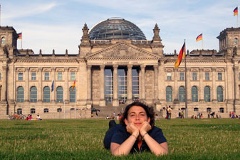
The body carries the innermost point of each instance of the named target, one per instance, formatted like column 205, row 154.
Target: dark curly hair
column 148, row 110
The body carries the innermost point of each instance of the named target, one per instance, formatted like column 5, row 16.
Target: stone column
column 4, row 81
column 213, row 88
column 129, row 84
column 89, row 84
column 235, row 93
column 26, row 88
column 40, row 88
column 115, row 86
column 156, row 97
column 143, row 82
column 102, row 99
column 201, row 80
column 66, row 87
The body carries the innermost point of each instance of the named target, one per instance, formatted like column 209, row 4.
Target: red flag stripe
column 181, row 55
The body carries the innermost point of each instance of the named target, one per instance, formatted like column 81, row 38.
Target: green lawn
column 82, row 139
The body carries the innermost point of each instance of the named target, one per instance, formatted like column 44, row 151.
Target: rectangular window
column 72, row 76
column 219, row 76
column 33, row 76
column 169, row 76
column 20, row 76
column 46, row 76
column 135, row 84
column 194, row 76
column 181, row 76
column 207, row 76
column 59, row 76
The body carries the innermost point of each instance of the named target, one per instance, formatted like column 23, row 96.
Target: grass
column 188, row 139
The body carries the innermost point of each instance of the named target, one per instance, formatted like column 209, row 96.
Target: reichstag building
column 116, row 65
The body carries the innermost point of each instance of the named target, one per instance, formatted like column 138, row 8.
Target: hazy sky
column 57, row 24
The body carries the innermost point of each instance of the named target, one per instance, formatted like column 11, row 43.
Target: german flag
column 235, row 11
column 199, row 37
column 74, row 84
column 181, row 55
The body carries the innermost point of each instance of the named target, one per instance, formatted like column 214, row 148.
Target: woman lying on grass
column 136, row 132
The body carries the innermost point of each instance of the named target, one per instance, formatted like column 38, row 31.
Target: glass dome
column 116, row 28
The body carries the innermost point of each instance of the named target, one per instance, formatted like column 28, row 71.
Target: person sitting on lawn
column 135, row 133
column 38, row 117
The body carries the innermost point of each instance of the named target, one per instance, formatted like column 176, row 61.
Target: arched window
column 20, row 94
column 195, row 109
column 3, row 40
column 59, row 94
column 45, row 110
column 207, row 95
column 181, row 94
column 59, row 110
column 19, row 111
column 33, row 94
column 169, row 94
column 235, row 42
column 221, row 110
column 32, row 111
column 46, row 94
column 209, row 109
column 72, row 94
column 219, row 94
column 194, row 94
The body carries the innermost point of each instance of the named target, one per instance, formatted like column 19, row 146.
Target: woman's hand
column 145, row 128
column 132, row 129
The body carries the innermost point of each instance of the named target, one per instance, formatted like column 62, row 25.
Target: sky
column 57, row 24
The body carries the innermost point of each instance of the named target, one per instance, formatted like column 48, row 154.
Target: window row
column 46, row 76
column 221, row 109
column 194, row 94
column 45, row 110
column 46, row 94
column 194, row 76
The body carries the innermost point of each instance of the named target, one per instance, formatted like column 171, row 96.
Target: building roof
column 116, row 28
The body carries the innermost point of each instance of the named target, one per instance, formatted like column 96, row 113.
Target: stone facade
column 67, row 86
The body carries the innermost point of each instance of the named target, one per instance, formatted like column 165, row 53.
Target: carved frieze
column 207, row 69
column 169, row 69
column 123, row 51
column 20, row 69
column 73, row 69
column 220, row 69
column 46, row 69
column 60, row 69
column 33, row 69
column 194, row 69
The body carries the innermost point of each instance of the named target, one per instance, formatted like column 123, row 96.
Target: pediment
column 122, row 51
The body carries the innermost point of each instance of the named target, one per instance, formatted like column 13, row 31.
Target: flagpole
column 237, row 16
column 0, row 15
column 186, row 108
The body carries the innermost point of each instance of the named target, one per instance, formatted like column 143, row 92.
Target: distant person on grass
column 135, row 133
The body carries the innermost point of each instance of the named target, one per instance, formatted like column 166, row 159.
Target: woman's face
column 136, row 115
